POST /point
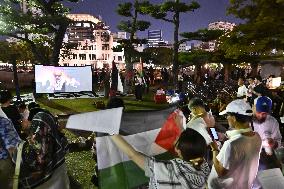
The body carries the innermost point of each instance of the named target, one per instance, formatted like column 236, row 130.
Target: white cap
column 238, row 107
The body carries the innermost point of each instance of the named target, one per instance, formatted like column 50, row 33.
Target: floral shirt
column 8, row 137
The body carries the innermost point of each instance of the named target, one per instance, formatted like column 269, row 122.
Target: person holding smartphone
column 200, row 120
column 236, row 164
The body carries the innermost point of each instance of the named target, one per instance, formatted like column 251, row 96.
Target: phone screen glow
column 214, row 133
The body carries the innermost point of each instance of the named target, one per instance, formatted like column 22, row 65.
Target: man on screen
column 62, row 80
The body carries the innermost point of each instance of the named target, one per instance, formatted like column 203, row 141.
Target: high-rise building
column 220, row 25
column 155, row 38
column 91, row 43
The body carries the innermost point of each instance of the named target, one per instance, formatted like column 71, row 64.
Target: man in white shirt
column 268, row 129
column 236, row 165
column 266, row 125
column 242, row 90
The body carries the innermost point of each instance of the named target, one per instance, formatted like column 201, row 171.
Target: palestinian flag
column 151, row 133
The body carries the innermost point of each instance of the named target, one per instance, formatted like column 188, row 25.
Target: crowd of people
column 248, row 145
column 234, row 161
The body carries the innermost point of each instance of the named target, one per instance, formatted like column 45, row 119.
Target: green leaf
column 125, row 9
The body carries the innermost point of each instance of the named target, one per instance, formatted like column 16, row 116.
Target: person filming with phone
column 235, row 165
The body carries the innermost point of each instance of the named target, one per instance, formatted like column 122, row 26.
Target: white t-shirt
column 199, row 125
column 240, row 156
column 242, row 91
column 268, row 129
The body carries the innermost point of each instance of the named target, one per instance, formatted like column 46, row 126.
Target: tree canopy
column 38, row 23
column 170, row 11
column 132, row 25
column 262, row 30
column 158, row 56
column 21, row 51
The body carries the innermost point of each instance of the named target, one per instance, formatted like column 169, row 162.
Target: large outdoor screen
column 50, row 79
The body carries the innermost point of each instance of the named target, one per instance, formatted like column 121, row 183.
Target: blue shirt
column 8, row 137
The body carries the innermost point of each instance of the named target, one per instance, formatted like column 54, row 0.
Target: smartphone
column 214, row 134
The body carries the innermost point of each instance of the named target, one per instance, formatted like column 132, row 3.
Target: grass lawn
column 80, row 165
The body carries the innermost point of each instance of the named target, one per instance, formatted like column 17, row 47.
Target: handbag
column 18, row 166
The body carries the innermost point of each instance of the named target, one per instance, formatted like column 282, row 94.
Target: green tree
column 15, row 53
column 263, row 25
column 261, row 31
column 158, row 55
column 131, row 11
column 198, row 57
column 39, row 23
column 203, row 35
column 170, row 11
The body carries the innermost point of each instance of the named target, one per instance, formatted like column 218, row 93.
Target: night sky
column 210, row 11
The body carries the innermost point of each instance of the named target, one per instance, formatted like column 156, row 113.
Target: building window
column 75, row 64
column 119, row 58
column 66, row 64
column 94, row 57
column 82, row 56
column 113, row 57
column 105, row 46
column 86, row 25
column 91, row 47
column 75, row 56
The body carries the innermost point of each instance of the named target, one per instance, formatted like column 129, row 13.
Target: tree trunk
column 197, row 73
column 128, row 57
column 227, row 70
column 176, row 46
column 16, row 80
column 59, row 36
column 128, row 73
column 254, row 67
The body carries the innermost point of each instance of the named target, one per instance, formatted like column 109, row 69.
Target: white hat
column 238, row 107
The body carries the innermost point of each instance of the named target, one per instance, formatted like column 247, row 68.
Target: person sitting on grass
column 189, row 170
column 43, row 157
